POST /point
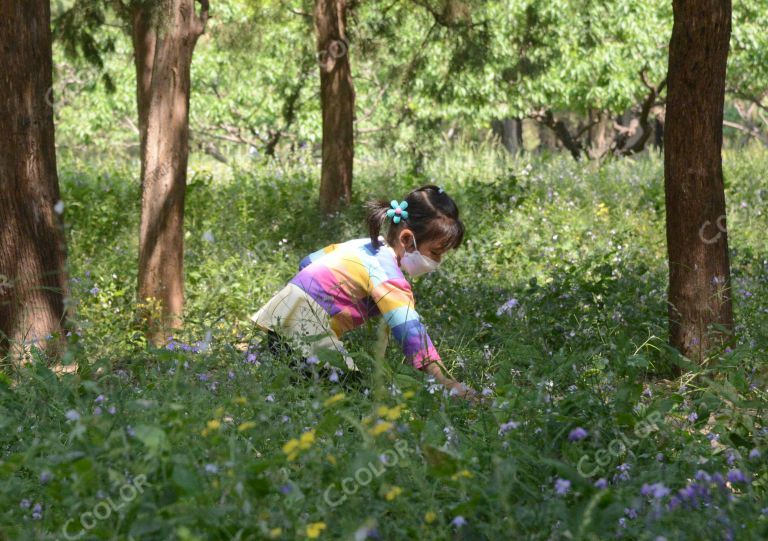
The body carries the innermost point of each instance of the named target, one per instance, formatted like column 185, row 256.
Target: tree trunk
column 337, row 96
column 510, row 132
column 700, row 310
column 164, row 41
column 33, row 281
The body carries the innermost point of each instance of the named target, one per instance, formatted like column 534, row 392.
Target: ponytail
column 376, row 216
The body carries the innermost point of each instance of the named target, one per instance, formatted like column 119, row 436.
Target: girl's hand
column 459, row 390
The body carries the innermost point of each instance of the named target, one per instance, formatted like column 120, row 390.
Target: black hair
column 432, row 216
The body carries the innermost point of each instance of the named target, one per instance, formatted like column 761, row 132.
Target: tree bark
column 337, row 96
column 33, row 281
column 164, row 41
column 700, row 309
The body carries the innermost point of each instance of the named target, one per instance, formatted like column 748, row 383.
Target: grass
column 555, row 306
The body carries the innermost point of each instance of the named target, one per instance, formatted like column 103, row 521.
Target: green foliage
column 205, row 419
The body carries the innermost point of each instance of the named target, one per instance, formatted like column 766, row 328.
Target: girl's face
column 426, row 248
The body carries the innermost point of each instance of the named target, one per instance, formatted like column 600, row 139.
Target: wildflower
column 659, row 457
column 99, row 399
column 754, row 453
column 97, row 410
column 94, row 290
column 462, row 473
column 292, row 447
column 601, row 483
column 693, row 416
column 393, row 493
column 736, row 476
column 208, row 236
column 72, row 415
column 25, row 504
column 270, row 398
column 211, row 468
column 506, row 427
column 577, row 434
column 562, row 486
column 314, row 529
column 211, row 426
column 285, row 489
column 431, row 516
column 391, row 414
column 507, row 307
column 408, row 394
column 274, row 533
column 37, row 512
column 334, row 399
column 246, row 426
column 631, row 512
column 656, row 490
column 45, row 477
column 458, row 521
column 380, row 427
column 203, row 377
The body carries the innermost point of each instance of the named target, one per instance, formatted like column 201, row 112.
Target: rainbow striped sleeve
column 314, row 256
column 394, row 299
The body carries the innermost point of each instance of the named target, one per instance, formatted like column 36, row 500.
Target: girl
column 342, row 285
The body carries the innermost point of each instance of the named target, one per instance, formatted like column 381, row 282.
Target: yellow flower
column 462, row 473
column 212, row 425
column 393, row 493
column 274, row 533
column 314, row 529
column 408, row 394
column 241, row 400
column 390, row 413
column 380, row 428
column 335, row 398
column 307, row 439
column 602, row 210
column 430, row 516
column 331, row 459
column 246, row 426
column 291, row 448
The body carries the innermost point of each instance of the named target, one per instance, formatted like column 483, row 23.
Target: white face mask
column 416, row 264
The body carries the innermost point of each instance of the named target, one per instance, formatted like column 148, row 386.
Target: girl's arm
column 395, row 301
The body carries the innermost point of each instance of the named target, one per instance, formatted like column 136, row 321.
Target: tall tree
column 33, row 281
column 700, row 310
column 164, row 39
column 337, row 97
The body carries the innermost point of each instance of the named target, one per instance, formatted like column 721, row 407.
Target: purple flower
column 45, row 477
column 72, row 415
column 111, row 410
column 703, row 476
column 507, row 307
column 693, row 416
column 312, row 359
column 577, row 434
column 562, row 486
column 97, row 410
column 37, row 512
column 656, row 490
column 736, row 476
column 94, row 290
column 601, row 483
column 754, row 453
column 203, row 377
column 659, row 457
column 631, row 512
column 458, row 521
column 211, row 468
column 285, row 489
column 252, row 358
column 25, row 504
column 674, row 502
column 506, row 427
column 231, row 375
column 99, row 399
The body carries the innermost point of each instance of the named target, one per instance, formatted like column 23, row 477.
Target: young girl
column 342, row 285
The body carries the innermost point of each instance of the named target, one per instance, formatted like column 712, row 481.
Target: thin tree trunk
column 33, row 281
column 700, row 310
column 337, row 96
column 164, row 43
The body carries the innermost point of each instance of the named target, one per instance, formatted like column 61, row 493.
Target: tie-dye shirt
column 354, row 282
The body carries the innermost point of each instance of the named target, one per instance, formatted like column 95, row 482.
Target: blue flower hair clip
column 398, row 212
column 440, row 189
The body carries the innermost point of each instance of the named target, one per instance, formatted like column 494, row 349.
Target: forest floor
column 554, row 308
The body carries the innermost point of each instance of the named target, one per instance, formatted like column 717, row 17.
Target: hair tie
column 398, row 211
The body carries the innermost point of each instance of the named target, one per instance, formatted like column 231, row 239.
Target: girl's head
column 432, row 223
